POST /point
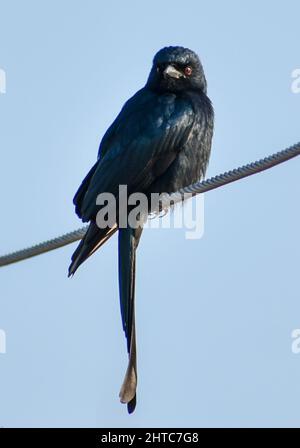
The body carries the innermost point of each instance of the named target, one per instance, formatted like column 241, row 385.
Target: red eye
column 188, row 71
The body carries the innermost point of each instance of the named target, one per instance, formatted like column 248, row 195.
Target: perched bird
column 159, row 142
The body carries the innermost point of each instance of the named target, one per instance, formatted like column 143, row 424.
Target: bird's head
column 176, row 69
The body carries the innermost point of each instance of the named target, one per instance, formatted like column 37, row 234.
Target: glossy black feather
column 79, row 195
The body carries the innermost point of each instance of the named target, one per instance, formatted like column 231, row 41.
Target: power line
column 194, row 189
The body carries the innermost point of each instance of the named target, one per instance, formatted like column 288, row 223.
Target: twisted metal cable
column 192, row 190
column 236, row 174
column 41, row 248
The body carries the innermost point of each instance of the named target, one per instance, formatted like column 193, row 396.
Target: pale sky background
column 215, row 315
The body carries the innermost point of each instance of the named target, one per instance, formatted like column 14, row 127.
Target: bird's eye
column 188, row 70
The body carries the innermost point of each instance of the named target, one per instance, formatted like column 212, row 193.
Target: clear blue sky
column 215, row 315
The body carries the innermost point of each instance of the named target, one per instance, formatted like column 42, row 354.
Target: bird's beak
column 172, row 72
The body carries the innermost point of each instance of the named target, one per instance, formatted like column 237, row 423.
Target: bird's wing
column 139, row 147
column 134, row 105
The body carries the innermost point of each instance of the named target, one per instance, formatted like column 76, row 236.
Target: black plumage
column 159, row 142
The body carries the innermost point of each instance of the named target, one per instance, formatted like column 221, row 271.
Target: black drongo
column 159, row 142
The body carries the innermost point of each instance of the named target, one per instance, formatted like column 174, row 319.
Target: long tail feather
column 128, row 242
